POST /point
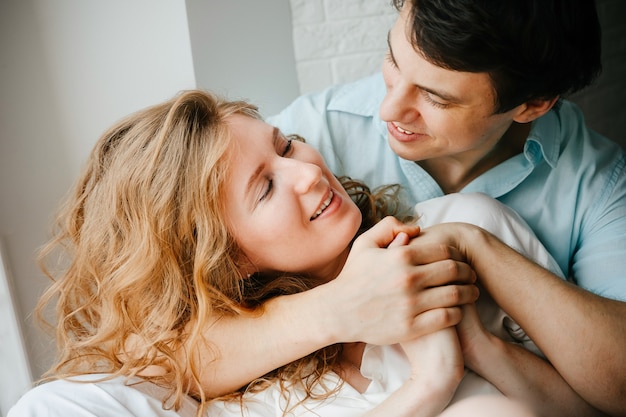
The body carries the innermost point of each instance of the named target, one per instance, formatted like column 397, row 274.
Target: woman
column 178, row 226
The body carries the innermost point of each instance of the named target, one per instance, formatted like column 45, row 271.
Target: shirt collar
column 363, row 98
column 545, row 137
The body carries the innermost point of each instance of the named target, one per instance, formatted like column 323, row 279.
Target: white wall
column 69, row 69
column 13, row 360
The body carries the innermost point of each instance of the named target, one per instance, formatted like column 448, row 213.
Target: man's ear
column 534, row 109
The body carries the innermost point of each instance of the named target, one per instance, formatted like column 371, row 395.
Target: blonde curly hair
column 146, row 260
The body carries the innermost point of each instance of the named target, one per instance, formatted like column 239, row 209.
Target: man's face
column 432, row 112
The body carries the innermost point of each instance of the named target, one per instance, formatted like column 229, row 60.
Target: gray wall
column 604, row 103
column 244, row 49
column 69, row 69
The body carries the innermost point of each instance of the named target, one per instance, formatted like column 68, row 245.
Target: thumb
column 388, row 232
column 401, row 239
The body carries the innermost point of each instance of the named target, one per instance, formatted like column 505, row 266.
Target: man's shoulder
column 361, row 97
column 563, row 133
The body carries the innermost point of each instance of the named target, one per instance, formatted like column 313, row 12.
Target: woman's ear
column 534, row 109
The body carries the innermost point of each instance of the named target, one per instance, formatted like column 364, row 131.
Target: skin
column 444, row 120
column 487, row 406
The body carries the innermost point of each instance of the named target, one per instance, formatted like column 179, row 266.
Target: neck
column 454, row 172
column 331, row 270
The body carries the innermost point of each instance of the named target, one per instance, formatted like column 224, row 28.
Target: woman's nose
column 304, row 175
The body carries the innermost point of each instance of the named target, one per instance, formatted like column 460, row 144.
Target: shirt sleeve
column 599, row 258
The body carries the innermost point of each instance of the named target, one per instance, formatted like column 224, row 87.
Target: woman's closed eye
column 288, row 147
column 268, row 189
column 285, row 152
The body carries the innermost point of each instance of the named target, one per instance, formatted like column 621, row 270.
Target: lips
column 406, row 132
column 323, row 206
column 403, row 135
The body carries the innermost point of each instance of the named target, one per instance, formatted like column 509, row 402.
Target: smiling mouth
column 406, row 132
column 325, row 204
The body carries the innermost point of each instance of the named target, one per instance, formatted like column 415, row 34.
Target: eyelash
column 390, row 59
column 288, row 147
column 426, row 94
column 285, row 152
column 432, row 102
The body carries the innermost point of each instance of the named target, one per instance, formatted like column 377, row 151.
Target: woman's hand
column 436, row 370
column 392, row 289
column 472, row 335
column 437, row 364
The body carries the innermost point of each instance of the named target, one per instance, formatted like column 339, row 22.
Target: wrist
column 472, row 241
column 436, row 391
column 485, row 353
column 325, row 319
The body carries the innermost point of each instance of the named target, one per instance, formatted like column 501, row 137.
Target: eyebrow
column 257, row 172
column 445, row 96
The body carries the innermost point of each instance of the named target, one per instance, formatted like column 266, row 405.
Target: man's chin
column 403, row 150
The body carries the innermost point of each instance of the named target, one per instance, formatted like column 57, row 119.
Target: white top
column 386, row 366
column 111, row 398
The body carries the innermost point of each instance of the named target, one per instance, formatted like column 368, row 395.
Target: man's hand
column 394, row 289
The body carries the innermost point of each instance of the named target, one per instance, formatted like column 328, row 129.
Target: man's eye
column 434, row 102
column 390, row 60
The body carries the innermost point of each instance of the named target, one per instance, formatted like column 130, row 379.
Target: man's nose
column 399, row 104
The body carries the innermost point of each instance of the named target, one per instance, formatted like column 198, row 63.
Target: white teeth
column 323, row 206
column 406, row 132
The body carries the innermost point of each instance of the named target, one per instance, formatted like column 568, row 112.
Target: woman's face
column 284, row 207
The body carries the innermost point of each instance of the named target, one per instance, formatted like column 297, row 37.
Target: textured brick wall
column 341, row 40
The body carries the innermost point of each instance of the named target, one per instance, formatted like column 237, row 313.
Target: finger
column 440, row 273
column 444, row 297
column 384, row 232
column 401, row 239
column 434, row 320
column 427, row 252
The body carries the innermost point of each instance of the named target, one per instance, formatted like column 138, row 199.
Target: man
column 470, row 101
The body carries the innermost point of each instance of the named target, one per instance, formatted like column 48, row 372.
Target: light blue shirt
column 569, row 184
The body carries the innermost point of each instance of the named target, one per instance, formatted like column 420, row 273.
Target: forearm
column 523, row 376
column 413, row 399
column 242, row 348
column 583, row 335
column 382, row 296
